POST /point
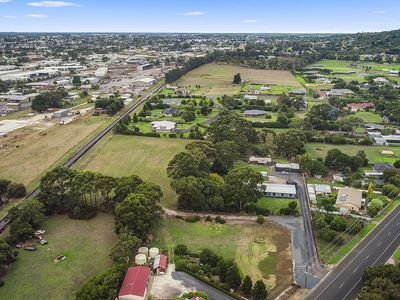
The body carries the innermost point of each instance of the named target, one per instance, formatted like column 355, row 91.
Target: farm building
column 249, row 97
column 62, row 113
column 300, row 92
column 279, row 190
column 160, row 264
column 163, row 126
column 144, row 67
column 172, row 101
column 101, row 72
column 292, row 167
column 145, row 81
column 170, row 111
column 349, row 198
column 260, row 160
column 254, row 113
column 354, row 107
column 135, row 284
column 338, row 93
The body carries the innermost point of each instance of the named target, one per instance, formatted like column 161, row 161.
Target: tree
column 16, row 190
column 189, row 115
column 187, row 164
column 260, row 219
column 290, row 143
column 337, row 160
column 241, row 187
column 237, row 78
column 136, row 214
column 338, row 224
column 122, row 251
column 7, row 256
column 181, row 250
column 4, row 183
column 126, row 186
column 76, row 81
column 375, row 206
column 150, row 190
column 397, row 164
column 247, row 286
column 370, row 192
column 306, row 163
column 259, row 291
column 233, row 276
column 318, row 168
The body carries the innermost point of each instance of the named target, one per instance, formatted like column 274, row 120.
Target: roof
column 135, row 281
column 260, row 160
column 170, row 110
column 160, row 261
column 361, row 105
column 255, row 112
column 323, row 188
column 292, row 166
column 349, row 196
column 381, row 167
column 300, row 91
column 280, row 188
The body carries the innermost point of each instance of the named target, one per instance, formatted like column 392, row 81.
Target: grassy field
column 120, row 155
column 86, row 244
column 372, row 152
column 397, row 255
column 216, row 79
column 275, row 204
column 369, row 117
column 269, row 260
column 336, row 65
column 30, row 152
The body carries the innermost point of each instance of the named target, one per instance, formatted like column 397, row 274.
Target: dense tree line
column 381, row 282
column 9, row 190
column 49, row 99
column 191, row 64
column 111, row 105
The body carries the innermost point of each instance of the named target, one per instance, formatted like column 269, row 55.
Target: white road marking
column 367, row 257
column 355, row 270
column 341, row 285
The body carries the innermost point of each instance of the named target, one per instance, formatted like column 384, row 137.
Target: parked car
column 40, row 232
column 43, row 242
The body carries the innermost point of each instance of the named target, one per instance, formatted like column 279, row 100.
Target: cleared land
column 120, row 155
column 30, row 152
column 86, row 244
column 372, row 152
column 275, row 204
column 269, row 258
column 216, row 79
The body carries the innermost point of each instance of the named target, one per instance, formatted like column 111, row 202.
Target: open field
column 372, row 152
column 86, row 244
column 275, row 204
column 216, row 79
column 269, row 260
column 31, row 152
column 121, row 155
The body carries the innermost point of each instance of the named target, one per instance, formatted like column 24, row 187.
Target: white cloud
column 5, row 1
column 379, row 12
column 193, row 13
column 249, row 21
column 35, row 16
column 8, row 17
column 54, row 4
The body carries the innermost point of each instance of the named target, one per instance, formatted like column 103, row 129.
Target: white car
column 43, row 242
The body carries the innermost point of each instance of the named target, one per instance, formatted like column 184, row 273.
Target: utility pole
column 305, row 276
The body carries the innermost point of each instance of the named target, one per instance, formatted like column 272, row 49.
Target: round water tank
column 143, row 250
column 140, row 259
column 154, row 252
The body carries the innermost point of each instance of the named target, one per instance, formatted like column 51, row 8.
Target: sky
column 268, row 16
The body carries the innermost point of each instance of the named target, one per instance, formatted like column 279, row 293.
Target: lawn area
column 31, row 151
column 369, row 117
column 275, row 204
column 121, row 155
column 216, row 79
column 372, row 152
column 397, row 255
column 241, row 164
column 335, row 65
column 86, row 244
column 269, row 260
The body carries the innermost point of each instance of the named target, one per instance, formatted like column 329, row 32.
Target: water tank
column 154, row 252
column 140, row 259
column 143, row 250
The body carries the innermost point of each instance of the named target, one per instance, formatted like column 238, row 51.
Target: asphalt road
column 191, row 282
column 345, row 281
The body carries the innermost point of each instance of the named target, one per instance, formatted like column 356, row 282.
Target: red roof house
column 360, row 106
column 135, row 283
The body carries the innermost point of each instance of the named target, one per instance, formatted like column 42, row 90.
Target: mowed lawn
column 275, row 204
column 121, row 155
column 372, row 152
column 369, row 117
column 216, row 79
column 32, row 152
column 86, row 245
column 261, row 251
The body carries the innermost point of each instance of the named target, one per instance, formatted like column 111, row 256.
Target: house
column 171, row 111
column 267, row 102
column 163, row 126
column 387, row 153
column 254, row 113
column 349, row 198
column 338, row 93
column 160, row 264
column 372, row 127
column 249, row 97
column 322, row 189
column 300, row 92
column 381, row 80
column 292, row 167
column 136, row 284
column 144, row 67
column 265, row 88
column 101, row 72
column 354, row 107
column 145, row 82
column 260, row 160
column 172, row 102
column 61, row 113
column 279, row 190
column 311, row 193
column 382, row 167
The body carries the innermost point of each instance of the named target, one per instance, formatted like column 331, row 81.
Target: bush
column 16, row 190
column 260, row 220
column 208, row 219
column 192, row 219
column 181, row 250
column 220, row 220
column 82, row 213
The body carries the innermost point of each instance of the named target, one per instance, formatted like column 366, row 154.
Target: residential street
column 344, row 281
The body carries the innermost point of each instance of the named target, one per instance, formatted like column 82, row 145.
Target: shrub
column 192, row 219
column 16, row 190
column 208, row 219
column 260, row 220
column 181, row 250
column 220, row 220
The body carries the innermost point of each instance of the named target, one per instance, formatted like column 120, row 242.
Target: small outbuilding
column 136, row 284
column 160, row 264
